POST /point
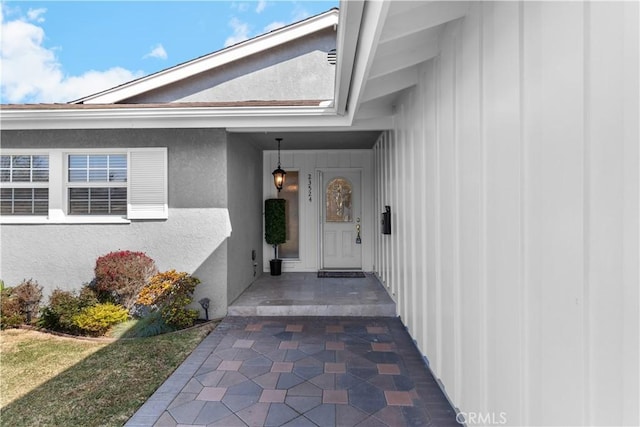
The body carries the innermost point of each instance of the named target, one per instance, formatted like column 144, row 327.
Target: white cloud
column 31, row 72
column 274, row 26
column 240, row 32
column 36, row 14
column 241, row 7
column 261, row 5
column 157, row 52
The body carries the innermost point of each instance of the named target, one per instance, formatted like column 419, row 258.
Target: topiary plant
column 275, row 229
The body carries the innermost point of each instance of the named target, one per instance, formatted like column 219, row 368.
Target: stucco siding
column 297, row 70
column 192, row 239
column 245, row 210
column 513, row 178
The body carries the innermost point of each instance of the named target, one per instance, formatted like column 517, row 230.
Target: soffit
column 406, row 35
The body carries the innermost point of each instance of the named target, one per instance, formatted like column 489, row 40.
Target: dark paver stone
column 324, row 415
column 382, row 357
column 349, row 416
column 326, row 356
column 347, row 381
column 284, row 336
column 302, row 404
column 308, row 372
column 287, row 381
column 403, row 383
column 367, row 397
column 238, row 402
column 212, row 412
column 279, row 414
column 187, row 413
column 294, row 355
column 246, row 388
column 301, row 421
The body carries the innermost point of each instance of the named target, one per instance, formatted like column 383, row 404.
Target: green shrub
column 63, row 307
column 170, row 292
column 119, row 276
column 97, row 319
column 10, row 312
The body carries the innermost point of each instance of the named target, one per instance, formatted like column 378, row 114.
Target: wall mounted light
column 278, row 174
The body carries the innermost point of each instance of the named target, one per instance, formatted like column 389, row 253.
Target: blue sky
column 58, row 51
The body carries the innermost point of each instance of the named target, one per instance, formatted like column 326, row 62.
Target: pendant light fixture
column 278, row 174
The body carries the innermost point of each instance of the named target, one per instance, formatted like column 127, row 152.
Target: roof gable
column 218, row 60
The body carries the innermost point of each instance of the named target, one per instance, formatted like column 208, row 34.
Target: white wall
column 309, row 162
column 513, row 178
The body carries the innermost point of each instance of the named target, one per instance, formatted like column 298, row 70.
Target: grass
column 59, row 381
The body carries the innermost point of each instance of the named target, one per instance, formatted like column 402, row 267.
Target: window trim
column 59, row 188
column 26, row 184
column 93, row 184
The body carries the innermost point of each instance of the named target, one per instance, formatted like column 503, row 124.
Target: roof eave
column 183, row 117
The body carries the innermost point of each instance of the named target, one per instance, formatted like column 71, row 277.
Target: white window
column 24, row 184
column 97, row 184
column 80, row 186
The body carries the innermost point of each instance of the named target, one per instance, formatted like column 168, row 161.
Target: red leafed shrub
column 123, row 274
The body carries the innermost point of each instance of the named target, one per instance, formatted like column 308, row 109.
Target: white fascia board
column 289, row 117
column 214, row 60
column 346, row 44
column 373, row 19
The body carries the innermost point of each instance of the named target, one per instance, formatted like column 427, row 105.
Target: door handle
column 358, row 239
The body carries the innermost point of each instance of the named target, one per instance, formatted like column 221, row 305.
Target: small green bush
column 63, row 307
column 97, row 319
column 170, row 292
column 119, row 276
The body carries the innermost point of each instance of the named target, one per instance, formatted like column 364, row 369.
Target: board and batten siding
column 512, row 173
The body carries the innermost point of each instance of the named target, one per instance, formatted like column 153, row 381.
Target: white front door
column 340, row 214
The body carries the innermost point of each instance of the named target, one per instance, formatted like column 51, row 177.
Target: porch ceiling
column 404, row 35
column 383, row 59
column 320, row 140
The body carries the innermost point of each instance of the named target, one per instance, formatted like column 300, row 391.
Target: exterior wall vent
column 331, row 57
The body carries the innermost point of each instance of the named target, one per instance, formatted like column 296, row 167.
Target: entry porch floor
column 304, row 294
column 299, row 351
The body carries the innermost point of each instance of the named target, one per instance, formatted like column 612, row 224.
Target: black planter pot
column 276, row 267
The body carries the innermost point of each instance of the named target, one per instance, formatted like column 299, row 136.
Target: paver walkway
column 301, row 371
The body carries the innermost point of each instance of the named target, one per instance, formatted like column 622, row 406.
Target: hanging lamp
column 278, row 174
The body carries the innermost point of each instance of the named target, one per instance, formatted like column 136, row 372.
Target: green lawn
column 56, row 381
